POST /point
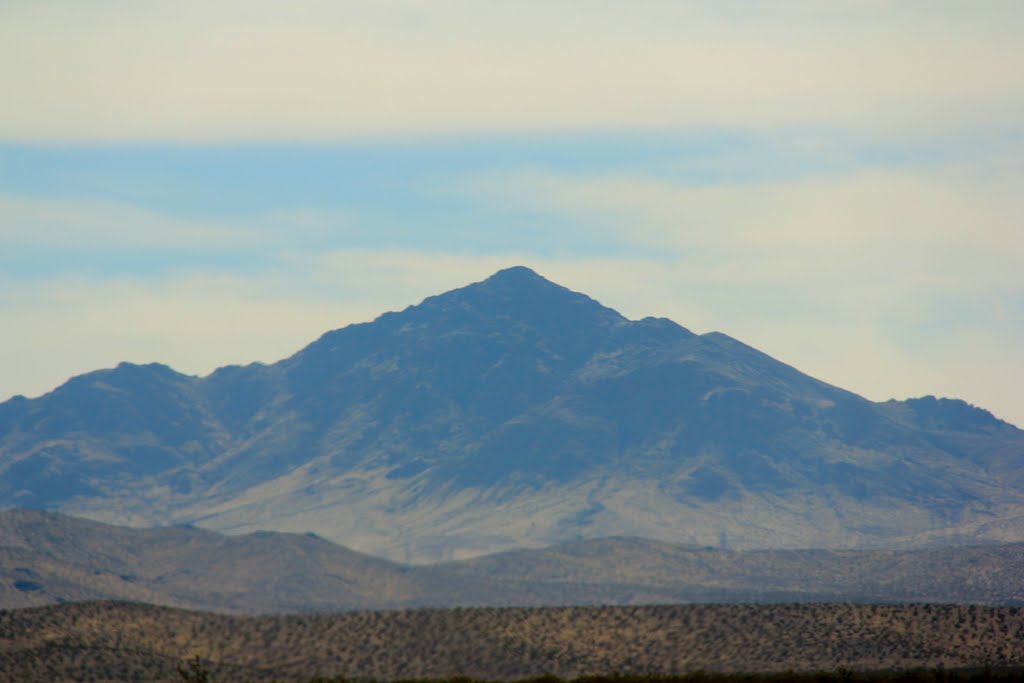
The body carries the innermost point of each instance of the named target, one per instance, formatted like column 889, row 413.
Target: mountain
column 515, row 413
column 48, row 558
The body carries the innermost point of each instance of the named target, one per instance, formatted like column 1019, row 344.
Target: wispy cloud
column 52, row 222
column 191, row 70
column 935, row 228
column 84, row 223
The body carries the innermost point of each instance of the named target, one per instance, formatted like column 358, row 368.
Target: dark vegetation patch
column 128, row 642
column 195, row 672
column 27, row 586
column 839, row 675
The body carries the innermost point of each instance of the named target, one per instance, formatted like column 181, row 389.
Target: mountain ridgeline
column 516, row 413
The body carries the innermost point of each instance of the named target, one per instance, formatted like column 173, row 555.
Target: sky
column 200, row 183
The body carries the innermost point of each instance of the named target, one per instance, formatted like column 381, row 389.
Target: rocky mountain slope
column 47, row 558
column 515, row 413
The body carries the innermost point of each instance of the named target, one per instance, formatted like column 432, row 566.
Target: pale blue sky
column 211, row 183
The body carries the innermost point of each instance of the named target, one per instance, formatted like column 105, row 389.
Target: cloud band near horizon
column 191, row 71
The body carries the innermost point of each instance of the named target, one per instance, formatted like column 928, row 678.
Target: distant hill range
column 48, row 558
column 515, row 413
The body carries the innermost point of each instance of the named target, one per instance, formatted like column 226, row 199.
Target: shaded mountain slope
column 509, row 413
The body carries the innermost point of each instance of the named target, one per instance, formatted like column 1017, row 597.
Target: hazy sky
column 840, row 184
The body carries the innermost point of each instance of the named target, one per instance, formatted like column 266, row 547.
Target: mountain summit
column 515, row 412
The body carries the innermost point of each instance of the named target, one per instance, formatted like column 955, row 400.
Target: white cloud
column 53, row 222
column 192, row 70
column 869, row 228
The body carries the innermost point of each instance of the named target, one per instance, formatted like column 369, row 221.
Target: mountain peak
column 517, row 281
column 521, row 293
column 513, row 305
column 515, row 274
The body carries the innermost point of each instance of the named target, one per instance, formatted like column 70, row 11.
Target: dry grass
column 127, row 642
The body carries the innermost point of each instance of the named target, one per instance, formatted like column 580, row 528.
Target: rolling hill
column 48, row 558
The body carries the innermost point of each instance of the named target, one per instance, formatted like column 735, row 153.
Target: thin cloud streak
column 200, row 71
column 81, row 223
column 925, row 227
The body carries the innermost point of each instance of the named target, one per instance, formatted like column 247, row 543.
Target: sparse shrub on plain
column 194, row 672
